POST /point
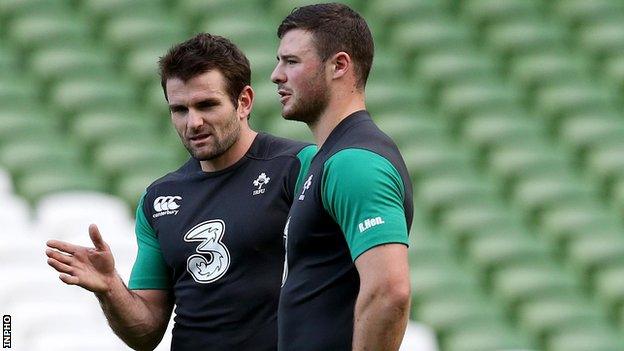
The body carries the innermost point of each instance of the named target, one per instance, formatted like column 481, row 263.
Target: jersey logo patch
column 306, row 186
column 166, row 205
column 209, row 234
column 260, row 182
column 369, row 223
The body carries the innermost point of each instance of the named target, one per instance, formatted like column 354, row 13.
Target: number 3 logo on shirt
column 209, row 233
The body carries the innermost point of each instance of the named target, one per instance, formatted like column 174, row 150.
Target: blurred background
column 508, row 114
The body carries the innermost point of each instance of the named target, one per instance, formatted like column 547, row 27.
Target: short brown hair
column 202, row 53
column 335, row 27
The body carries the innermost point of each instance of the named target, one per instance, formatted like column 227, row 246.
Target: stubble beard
column 311, row 103
column 219, row 145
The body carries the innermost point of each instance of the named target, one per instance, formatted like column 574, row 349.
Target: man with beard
column 210, row 234
column 347, row 284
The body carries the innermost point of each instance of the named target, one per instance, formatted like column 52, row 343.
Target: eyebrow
column 286, row 57
column 204, row 102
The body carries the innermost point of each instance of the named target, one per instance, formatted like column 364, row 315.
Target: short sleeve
column 150, row 270
column 364, row 194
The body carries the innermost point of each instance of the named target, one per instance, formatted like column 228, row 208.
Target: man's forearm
column 380, row 321
column 139, row 325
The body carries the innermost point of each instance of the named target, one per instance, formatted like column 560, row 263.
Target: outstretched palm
column 90, row 268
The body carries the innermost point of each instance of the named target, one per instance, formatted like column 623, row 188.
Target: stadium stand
column 508, row 114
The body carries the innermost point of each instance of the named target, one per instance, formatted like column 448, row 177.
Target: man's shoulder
column 271, row 146
column 189, row 167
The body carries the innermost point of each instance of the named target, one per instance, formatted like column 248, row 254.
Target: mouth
column 284, row 95
column 199, row 138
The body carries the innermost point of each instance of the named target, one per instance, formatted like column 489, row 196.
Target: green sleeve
column 364, row 194
column 150, row 270
column 305, row 157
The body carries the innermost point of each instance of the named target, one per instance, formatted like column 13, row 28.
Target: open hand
column 90, row 268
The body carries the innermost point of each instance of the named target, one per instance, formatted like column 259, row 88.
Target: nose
column 277, row 76
column 195, row 119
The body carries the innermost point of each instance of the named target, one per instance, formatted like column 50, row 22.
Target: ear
column 341, row 64
column 245, row 102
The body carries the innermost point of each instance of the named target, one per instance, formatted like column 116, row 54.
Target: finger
column 60, row 267
column 68, row 279
column 96, row 238
column 63, row 258
column 63, row 246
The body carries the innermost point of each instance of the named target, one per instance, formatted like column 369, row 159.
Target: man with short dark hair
column 347, row 283
column 210, row 234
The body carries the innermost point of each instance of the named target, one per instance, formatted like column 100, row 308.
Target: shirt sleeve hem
column 356, row 252
column 147, row 283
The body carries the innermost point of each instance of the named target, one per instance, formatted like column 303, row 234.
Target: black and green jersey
column 356, row 195
column 215, row 239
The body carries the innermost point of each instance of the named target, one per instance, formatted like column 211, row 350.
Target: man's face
column 300, row 77
column 203, row 114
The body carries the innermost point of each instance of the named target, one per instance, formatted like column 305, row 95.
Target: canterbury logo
column 166, row 205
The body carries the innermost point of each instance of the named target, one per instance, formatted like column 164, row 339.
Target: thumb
column 96, row 238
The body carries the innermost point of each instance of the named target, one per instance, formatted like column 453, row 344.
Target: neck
column 233, row 154
column 339, row 108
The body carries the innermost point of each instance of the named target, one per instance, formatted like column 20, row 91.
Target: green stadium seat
column 434, row 159
column 426, row 247
column 390, row 12
column 144, row 30
column 485, row 12
column 141, row 64
column 103, row 10
column 123, row 156
column 613, row 70
column 525, row 36
column 606, row 161
column 596, row 250
column 488, row 338
column 93, row 128
column 586, row 339
column 569, row 221
column 11, row 9
column 609, row 285
column 439, row 193
column 572, row 97
column 48, row 31
column 519, row 284
column 394, row 96
column 471, row 220
column 155, row 101
column 503, row 249
column 404, row 127
column 510, row 162
column 244, row 33
column 605, row 37
column 219, row 9
column 45, row 181
column 455, row 66
column 447, row 314
column 439, row 278
column 493, row 129
column 16, row 123
column 553, row 314
column 8, row 58
column 534, row 194
column 262, row 61
column 541, row 69
column 470, row 97
column 616, row 194
column 65, row 63
column 427, row 36
column 584, row 12
column 266, row 101
column 18, row 91
column 81, row 95
column 24, row 156
column 587, row 130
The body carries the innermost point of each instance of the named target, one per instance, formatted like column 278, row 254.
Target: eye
column 291, row 62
